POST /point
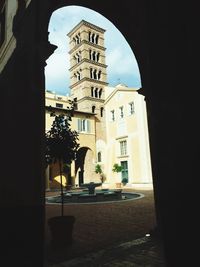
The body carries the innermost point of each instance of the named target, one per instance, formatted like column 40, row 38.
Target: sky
column 122, row 65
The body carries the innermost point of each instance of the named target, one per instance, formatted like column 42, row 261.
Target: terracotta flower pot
column 61, row 228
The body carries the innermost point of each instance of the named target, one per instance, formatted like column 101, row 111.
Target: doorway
column 124, row 172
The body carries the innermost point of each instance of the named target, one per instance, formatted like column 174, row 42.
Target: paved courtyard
column 113, row 232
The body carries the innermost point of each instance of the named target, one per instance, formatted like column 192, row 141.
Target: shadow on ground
column 103, row 228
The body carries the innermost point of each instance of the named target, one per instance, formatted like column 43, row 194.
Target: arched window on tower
column 100, row 93
column 97, row 57
column 89, row 36
column 77, row 57
column 78, row 75
column 75, row 103
column 93, row 109
column 99, row 157
column 99, row 75
column 79, row 38
column 92, row 38
column 94, row 56
column 95, row 74
column 74, row 60
column 101, row 112
column 96, row 92
column 75, row 76
column 79, row 54
column 76, row 38
column 97, row 39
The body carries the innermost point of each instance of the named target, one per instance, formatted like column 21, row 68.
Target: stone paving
column 111, row 234
column 143, row 252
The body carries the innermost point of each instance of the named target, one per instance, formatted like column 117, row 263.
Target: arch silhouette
column 159, row 38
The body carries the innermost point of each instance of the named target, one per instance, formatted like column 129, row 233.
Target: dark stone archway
column 165, row 43
column 83, row 163
column 79, row 164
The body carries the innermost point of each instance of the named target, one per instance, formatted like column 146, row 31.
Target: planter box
column 118, row 185
column 61, row 228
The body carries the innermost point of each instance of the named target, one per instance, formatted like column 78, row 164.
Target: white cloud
column 120, row 62
column 57, row 73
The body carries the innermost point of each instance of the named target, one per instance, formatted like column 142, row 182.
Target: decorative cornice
column 92, row 99
column 50, row 109
column 88, row 24
column 88, row 79
column 117, row 89
column 121, row 137
column 89, row 61
column 86, row 42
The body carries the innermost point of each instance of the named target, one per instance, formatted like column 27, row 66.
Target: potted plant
column 98, row 169
column 61, row 147
column 117, row 168
column 124, row 181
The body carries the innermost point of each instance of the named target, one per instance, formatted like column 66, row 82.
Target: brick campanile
column 88, row 71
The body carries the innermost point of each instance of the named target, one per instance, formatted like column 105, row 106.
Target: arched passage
column 84, row 156
column 84, row 160
column 165, row 31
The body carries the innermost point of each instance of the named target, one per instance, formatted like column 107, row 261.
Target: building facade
column 82, row 170
column 127, row 136
column 88, row 75
column 111, row 121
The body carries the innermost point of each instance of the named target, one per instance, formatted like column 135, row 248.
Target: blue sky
column 122, row 65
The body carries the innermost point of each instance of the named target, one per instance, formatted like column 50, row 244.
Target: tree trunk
column 61, row 189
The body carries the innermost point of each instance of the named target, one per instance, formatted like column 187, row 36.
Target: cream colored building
column 127, row 136
column 111, row 121
column 84, row 123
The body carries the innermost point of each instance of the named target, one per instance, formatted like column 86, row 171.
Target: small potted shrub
column 61, row 147
column 98, row 169
column 117, row 168
column 124, row 181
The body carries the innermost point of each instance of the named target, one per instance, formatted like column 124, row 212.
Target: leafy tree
column 61, row 144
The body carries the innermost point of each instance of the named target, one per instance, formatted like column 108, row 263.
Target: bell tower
column 88, row 71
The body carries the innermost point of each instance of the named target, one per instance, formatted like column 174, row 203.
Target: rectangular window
column 131, row 108
column 112, row 115
column 121, row 112
column 2, row 21
column 123, row 148
column 84, row 125
column 58, row 105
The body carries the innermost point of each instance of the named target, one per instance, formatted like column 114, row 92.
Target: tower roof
column 121, row 85
column 88, row 24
